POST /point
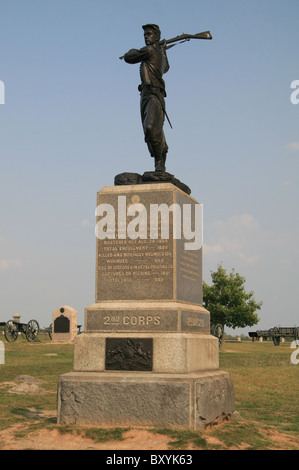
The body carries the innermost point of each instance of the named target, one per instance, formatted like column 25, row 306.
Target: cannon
column 12, row 329
column 49, row 330
column 275, row 334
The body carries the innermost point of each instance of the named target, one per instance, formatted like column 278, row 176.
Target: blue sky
column 71, row 122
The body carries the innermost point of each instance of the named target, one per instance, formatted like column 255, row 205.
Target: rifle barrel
column 204, row 35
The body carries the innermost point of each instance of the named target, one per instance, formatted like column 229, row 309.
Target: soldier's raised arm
column 133, row 56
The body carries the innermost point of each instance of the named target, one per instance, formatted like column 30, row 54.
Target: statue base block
column 150, row 177
column 185, row 401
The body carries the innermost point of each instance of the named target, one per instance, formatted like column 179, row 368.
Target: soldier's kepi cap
column 154, row 27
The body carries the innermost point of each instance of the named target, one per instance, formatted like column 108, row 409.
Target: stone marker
column 146, row 356
column 64, row 325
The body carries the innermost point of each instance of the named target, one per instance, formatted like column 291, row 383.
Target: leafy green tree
column 228, row 302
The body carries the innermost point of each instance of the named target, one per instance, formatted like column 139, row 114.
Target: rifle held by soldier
column 183, row 38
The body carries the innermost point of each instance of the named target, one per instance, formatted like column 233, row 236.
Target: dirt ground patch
column 134, row 439
column 279, row 438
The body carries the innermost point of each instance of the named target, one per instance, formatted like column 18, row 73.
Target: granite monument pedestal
column 146, row 356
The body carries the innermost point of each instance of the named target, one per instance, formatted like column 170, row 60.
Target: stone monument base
column 146, row 357
column 176, row 401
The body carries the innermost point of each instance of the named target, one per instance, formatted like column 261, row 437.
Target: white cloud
column 293, row 145
column 239, row 222
column 9, row 264
column 241, row 239
column 235, row 238
column 248, row 259
column 212, row 248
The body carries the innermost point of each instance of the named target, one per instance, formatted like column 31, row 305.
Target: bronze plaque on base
column 129, row 354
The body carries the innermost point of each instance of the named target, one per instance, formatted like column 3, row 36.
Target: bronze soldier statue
column 154, row 64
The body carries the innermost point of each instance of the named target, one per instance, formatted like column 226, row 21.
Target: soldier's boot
column 159, row 161
column 164, row 154
column 159, row 165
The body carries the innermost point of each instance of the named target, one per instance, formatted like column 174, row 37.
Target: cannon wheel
column 10, row 331
column 32, row 330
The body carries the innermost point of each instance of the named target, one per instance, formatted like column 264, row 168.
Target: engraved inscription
column 129, row 354
column 134, row 268
column 189, row 263
column 195, row 322
column 125, row 261
column 132, row 320
column 115, row 320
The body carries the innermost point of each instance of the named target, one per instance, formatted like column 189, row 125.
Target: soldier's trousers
column 152, row 117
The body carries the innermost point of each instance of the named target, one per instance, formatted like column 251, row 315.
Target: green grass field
column 266, row 388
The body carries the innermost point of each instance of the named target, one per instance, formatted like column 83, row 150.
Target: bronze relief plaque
column 134, row 354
